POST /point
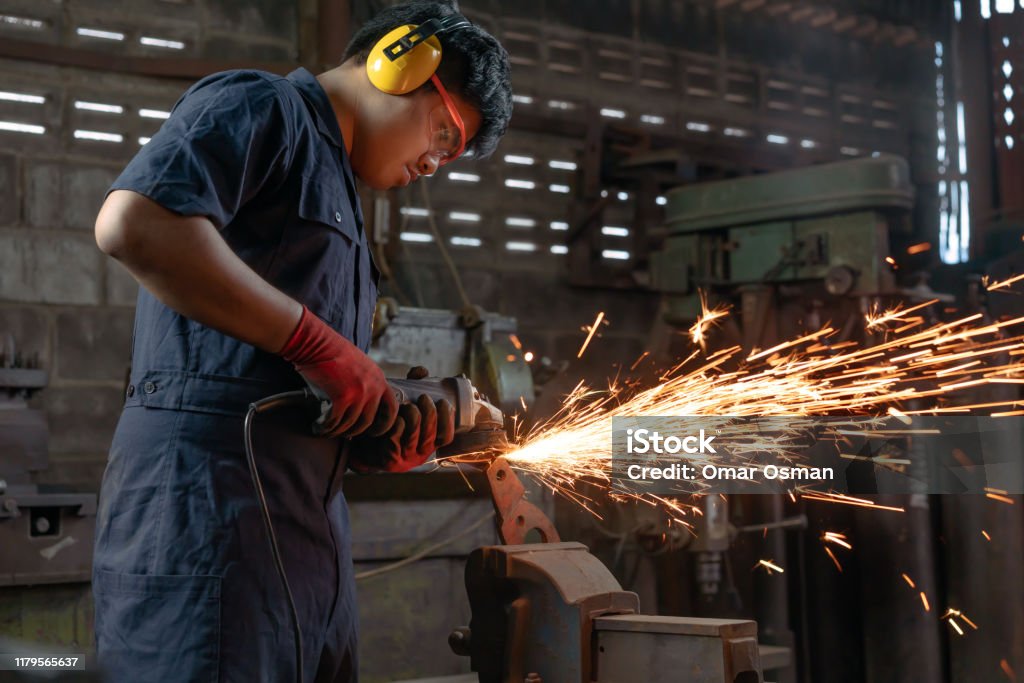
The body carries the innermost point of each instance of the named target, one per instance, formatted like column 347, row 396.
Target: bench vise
column 552, row 612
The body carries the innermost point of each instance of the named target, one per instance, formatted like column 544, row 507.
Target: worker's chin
column 377, row 183
column 376, row 178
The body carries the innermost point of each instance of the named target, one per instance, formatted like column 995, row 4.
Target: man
column 240, row 220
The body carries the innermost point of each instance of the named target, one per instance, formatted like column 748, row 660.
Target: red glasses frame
column 459, row 123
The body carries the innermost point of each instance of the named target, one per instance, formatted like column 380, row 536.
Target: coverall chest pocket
column 332, row 236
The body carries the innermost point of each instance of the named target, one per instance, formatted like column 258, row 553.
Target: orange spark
column 952, row 615
column 1002, row 284
column 706, row 319
column 985, row 534
column 919, row 248
column 1008, row 670
column 590, row 335
column 847, row 500
column 1001, row 499
column 909, row 581
column 837, row 538
column 924, row 600
column 830, row 554
column 800, row 378
column 769, row 566
column 899, row 415
column 639, row 360
column 876, row 319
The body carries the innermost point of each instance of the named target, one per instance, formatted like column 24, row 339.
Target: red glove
column 419, row 430
column 360, row 396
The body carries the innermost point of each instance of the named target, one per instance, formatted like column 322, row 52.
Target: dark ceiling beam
column 332, row 34
column 777, row 8
column 160, row 67
column 844, row 23
column 712, row 153
column 865, row 28
column 823, row 18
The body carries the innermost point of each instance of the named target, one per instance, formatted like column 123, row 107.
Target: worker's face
column 407, row 139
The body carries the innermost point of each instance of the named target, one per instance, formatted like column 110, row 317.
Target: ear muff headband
column 407, row 56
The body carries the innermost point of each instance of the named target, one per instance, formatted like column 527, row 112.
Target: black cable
column 288, row 398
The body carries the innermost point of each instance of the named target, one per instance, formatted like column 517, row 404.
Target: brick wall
column 59, row 295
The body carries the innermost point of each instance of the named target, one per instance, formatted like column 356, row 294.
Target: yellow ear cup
column 409, row 71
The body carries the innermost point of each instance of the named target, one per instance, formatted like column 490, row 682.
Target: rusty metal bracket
column 517, row 517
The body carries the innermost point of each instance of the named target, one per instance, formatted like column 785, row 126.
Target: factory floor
column 463, row 678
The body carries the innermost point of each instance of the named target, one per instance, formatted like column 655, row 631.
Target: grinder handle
column 456, row 390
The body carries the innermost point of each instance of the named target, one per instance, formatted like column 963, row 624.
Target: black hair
column 474, row 65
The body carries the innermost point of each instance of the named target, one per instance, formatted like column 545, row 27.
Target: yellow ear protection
column 408, row 56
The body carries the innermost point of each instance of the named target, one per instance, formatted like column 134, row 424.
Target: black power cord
column 286, row 399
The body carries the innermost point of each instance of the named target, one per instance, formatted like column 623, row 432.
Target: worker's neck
column 343, row 85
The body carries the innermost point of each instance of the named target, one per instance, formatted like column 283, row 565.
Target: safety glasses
column 447, row 130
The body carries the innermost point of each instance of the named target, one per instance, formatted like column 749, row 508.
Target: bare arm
column 187, row 265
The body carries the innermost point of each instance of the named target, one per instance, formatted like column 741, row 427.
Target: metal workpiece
column 516, row 516
column 639, row 647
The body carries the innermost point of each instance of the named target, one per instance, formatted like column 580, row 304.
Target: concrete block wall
column 60, row 296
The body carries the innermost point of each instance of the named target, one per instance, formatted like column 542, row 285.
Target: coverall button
column 131, row 390
column 149, row 387
column 337, row 216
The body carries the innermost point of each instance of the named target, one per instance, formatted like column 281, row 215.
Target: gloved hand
column 419, row 430
column 360, row 396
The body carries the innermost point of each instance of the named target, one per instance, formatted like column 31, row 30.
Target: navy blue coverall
column 184, row 582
